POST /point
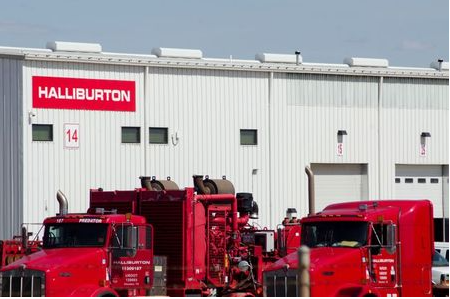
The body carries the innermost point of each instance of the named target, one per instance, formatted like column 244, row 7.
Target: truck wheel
column 106, row 294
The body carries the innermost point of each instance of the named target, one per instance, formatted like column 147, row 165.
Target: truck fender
column 94, row 291
column 355, row 290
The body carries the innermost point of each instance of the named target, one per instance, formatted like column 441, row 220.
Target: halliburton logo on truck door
column 83, row 94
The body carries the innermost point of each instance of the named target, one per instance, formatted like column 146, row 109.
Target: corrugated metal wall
column 101, row 160
column 11, row 147
column 297, row 117
column 307, row 111
column 206, row 110
column 410, row 107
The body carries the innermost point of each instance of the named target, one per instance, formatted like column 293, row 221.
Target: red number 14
column 73, row 136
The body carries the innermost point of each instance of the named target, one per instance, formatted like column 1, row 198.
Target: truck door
column 131, row 258
column 383, row 260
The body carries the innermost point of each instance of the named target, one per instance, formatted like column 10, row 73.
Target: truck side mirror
column 134, row 236
column 391, row 238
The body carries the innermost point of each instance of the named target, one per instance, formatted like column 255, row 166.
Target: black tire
column 106, row 294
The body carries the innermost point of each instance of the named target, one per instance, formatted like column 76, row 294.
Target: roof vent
column 74, row 47
column 177, row 53
column 439, row 65
column 366, row 62
column 279, row 58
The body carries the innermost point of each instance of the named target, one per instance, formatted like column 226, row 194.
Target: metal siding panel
column 100, row 161
column 11, row 148
column 308, row 110
column 410, row 107
column 206, row 109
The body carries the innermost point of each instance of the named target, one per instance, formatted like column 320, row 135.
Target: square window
column 434, row 181
column 249, row 137
column 131, row 134
column 397, row 180
column 158, row 135
column 421, row 181
column 409, row 180
column 42, row 132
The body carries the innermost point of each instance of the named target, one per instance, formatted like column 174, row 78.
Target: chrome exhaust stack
column 63, row 203
column 311, row 191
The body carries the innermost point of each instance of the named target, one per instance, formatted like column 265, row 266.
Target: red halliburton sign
column 83, row 94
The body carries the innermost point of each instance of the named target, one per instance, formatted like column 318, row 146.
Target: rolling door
column 339, row 183
column 422, row 182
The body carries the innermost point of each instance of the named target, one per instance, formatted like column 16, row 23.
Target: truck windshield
column 334, row 234
column 74, row 235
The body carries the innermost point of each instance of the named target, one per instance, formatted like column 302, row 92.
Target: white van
column 440, row 275
column 442, row 248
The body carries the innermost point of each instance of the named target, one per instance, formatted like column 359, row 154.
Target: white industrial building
column 73, row 118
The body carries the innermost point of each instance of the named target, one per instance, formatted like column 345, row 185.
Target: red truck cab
column 372, row 248
column 86, row 255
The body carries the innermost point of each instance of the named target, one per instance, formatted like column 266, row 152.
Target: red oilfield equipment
column 18, row 247
column 205, row 234
column 200, row 236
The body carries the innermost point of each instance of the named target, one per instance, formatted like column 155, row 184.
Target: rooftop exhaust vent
column 439, row 65
column 278, row 58
column 366, row 62
column 177, row 53
column 74, row 47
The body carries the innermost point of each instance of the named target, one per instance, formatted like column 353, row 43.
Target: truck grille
column 22, row 283
column 280, row 283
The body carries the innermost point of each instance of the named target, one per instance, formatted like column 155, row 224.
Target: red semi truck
column 372, row 248
column 85, row 255
column 205, row 238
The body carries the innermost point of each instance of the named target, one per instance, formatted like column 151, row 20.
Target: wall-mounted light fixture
column 340, row 142
column 340, row 135
column 423, row 143
column 175, row 138
column 31, row 115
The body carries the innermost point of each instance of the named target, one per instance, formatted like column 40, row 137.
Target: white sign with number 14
column 72, row 136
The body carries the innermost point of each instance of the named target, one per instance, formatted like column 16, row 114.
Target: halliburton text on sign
column 83, row 94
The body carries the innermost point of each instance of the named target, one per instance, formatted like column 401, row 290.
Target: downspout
column 380, row 93
column 270, row 142
column 146, row 69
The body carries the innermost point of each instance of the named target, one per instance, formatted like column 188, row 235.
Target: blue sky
column 406, row 32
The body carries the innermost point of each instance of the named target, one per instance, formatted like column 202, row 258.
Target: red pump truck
column 371, row 248
column 200, row 236
column 204, row 233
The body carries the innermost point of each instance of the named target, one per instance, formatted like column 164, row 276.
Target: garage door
column 422, row 182
column 339, row 183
